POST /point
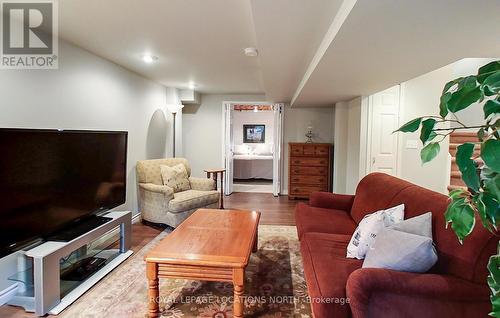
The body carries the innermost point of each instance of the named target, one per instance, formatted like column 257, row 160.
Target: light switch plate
column 411, row 144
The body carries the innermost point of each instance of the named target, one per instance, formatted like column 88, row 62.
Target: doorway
column 382, row 151
column 252, row 147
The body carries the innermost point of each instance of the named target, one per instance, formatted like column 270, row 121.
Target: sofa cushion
column 326, row 271
column 312, row 219
column 369, row 227
column 192, row 199
column 406, row 246
column 375, row 192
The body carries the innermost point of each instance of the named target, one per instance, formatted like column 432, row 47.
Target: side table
column 213, row 173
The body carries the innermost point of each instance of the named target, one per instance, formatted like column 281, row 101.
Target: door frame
column 277, row 184
column 368, row 115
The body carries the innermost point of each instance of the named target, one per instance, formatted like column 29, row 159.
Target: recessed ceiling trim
column 340, row 17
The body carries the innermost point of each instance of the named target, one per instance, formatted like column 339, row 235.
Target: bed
column 253, row 167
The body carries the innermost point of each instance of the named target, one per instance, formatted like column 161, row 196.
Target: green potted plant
column 481, row 173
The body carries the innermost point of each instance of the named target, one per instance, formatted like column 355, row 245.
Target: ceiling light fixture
column 147, row 58
column 192, row 85
column 251, row 51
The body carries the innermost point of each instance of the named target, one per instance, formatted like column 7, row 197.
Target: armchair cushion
column 192, row 199
column 175, row 177
column 313, row 219
column 202, row 184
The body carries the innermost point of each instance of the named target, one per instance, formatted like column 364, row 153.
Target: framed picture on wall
column 254, row 133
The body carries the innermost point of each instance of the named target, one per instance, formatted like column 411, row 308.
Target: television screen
column 50, row 179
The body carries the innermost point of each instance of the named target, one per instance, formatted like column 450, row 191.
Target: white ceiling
column 315, row 52
column 195, row 40
column 385, row 42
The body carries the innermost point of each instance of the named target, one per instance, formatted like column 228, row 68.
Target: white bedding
column 253, row 167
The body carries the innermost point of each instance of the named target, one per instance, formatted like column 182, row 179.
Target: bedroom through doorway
column 252, row 147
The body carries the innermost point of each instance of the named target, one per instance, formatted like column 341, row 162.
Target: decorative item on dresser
column 309, row 169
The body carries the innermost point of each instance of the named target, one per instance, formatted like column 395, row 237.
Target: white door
column 383, row 120
column 228, row 148
column 278, row 110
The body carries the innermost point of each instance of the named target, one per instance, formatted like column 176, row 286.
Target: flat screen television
column 51, row 179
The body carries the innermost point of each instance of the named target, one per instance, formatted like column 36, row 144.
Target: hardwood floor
column 274, row 211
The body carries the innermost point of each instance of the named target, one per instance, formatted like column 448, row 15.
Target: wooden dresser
column 310, row 167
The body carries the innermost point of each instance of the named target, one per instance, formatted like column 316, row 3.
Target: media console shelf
column 41, row 289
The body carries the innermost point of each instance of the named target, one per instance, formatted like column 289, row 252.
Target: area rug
column 274, row 286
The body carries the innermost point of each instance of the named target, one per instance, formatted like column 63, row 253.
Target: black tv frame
column 41, row 238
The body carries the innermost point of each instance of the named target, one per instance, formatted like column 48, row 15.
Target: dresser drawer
column 322, row 151
column 296, row 150
column 304, row 179
column 316, row 162
column 310, row 171
column 305, row 191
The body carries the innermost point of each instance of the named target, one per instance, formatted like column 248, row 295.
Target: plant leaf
column 429, row 152
column 490, row 152
column 492, row 208
column 492, row 83
column 494, row 283
column 450, row 84
column 425, row 133
column 467, row 166
column 469, row 81
column 492, row 187
column 482, row 211
column 443, row 104
column 464, row 97
column 461, row 216
column 486, row 70
column 491, row 107
column 410, row 126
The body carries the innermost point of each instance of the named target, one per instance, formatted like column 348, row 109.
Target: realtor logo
column 29, row 34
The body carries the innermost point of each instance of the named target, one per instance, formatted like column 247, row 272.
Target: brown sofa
column 455, row 287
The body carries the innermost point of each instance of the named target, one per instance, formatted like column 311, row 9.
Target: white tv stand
column 44, row 296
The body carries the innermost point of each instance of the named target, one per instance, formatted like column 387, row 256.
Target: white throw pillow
column 175, row 177
column 369, row 227
column 406, row 246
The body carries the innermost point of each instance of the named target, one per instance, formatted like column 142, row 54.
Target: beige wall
column 202, row 131
column 89, row 92
column 296, row 122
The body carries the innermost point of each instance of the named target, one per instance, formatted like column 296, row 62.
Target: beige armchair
column 159, row 204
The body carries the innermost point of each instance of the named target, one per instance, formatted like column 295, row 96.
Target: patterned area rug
column 274, row 286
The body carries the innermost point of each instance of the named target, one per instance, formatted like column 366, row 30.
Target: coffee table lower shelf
column 155, row 271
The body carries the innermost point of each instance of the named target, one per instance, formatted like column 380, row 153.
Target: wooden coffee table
column 211, row 245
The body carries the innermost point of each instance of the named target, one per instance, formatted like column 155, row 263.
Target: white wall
column 296, row 122
column 202, row 131
column 341, row 111
column 241, row 118
column 421, row 97
column 350, row 144
column 88, row 92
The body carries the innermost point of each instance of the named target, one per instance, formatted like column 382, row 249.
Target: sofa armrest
column 330, row 200
column 163, row 189
column 365, row 284
column 202, row 184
